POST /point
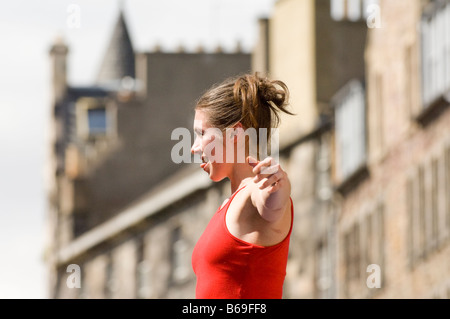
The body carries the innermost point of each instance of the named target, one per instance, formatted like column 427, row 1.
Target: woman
column 243, row 252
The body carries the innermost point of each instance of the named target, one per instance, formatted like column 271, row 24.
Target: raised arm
column 272, row 191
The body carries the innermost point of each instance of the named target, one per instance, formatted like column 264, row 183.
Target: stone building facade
column 368, row 155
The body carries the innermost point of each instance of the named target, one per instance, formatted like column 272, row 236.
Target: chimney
column 58, row 55
column 157, row 48
column 238, row 48
column 180, row 48
column 218, row 49
column 260, row 56
column 200, row 49
column 142, row 75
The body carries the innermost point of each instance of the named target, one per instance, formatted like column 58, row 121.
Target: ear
column 239, row 125
column 237, row 130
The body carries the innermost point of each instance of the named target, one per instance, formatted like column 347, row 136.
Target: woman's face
column 210, row 145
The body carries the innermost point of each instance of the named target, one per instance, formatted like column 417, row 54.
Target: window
column 179, row 257
column 373, row 239
column 421, row 227
column 370, row 233
column 353, row 10
column 379, row 235
column 350, row 119
column 364, row 246
column 352, row 251
column 111, row 284
column 428, row 220
column 375, row 109
column 378, row 110
column 434, row 189
column 95, row 118
column 82, row 292
column 447, row 188
column 435, row 29
column 411, row 237
column 411, row 75
column 352, row 242
column 97, row 121
column 142, row 270
column 348, row 252
column 324, row 271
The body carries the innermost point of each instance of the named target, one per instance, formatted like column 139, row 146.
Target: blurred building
column 368, row 155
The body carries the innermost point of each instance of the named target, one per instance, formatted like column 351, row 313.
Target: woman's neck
column 240, row 176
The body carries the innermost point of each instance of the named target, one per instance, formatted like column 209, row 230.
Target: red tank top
column 229, row 268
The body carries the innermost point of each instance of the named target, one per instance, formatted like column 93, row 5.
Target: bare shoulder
column 244, row 221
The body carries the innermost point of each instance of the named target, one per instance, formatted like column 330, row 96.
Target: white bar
column 433, row 77
column 354, row 10
column 351, row 130
column 437, row 52
column 425, row 58
column 366, row 5
column 337, row 10
column 447, row 46
column 440, row 39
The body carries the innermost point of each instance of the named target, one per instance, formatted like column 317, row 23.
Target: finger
column 270, row 170
column 260, row 176
column 267, row 172
column 252, row 161
column 275, row 178
column 264, row 163
column 272, row 189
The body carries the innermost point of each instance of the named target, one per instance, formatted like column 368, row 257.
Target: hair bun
column 269, row 92
column 260, row 98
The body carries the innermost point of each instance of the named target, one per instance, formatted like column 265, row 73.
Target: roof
column 118, row 61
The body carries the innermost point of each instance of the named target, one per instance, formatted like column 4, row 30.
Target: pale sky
column 27, row 29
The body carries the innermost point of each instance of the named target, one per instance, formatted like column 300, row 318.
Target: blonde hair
column 252, row 100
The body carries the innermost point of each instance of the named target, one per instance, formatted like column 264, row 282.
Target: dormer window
column 95, row 119
column 97, row 122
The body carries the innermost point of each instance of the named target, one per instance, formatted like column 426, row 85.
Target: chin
column 216, row 175
column 217, row 179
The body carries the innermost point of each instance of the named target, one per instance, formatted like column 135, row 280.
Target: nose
column 196, row 147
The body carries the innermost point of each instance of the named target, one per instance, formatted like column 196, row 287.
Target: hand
column 269, row 174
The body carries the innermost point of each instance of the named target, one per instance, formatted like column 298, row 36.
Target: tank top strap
column 230, row 199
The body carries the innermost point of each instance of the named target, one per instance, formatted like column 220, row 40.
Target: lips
column 205, row 167
column 205, row 162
